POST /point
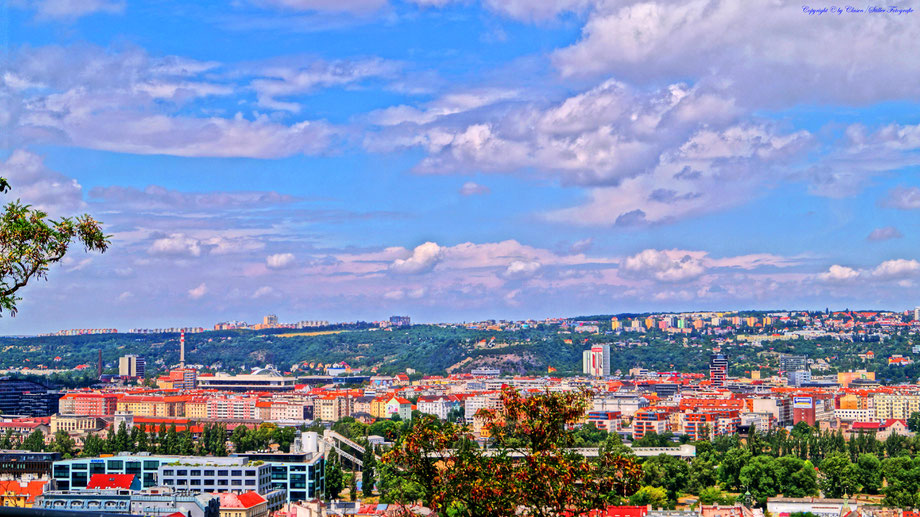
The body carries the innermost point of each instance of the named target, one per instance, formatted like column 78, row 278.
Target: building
column 400, row 321
column 75, row 423
column 792, row 363
column 131, row 366
column 20, row 495
column 270, row 321
column 260, row 380
column 27, row 398
column 248, row 504
column 331, row 408
column 598, row 361
column 89, row 403
column 18, row 464
column 279, row 480
column 798, row 377
column 718, row 368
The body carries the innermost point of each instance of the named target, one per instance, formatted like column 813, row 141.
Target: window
column 195, row 473
column 151, row 465
column 209, row 473
column 237, row 473
column 115, row 465
column 221, row 472
column 237, row 482
column 169, row 472
column 221, row 482
column 195, row 482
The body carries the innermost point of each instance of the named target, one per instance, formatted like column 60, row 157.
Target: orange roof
column 31, row 490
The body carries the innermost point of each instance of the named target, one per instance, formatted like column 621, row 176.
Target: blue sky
column 456, row 160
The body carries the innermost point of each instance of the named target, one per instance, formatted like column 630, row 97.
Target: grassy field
column 318, row 333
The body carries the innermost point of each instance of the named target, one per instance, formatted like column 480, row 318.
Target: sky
column 455, row 160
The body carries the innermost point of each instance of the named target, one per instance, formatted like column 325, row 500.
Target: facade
column 598, row 361
column 400, row 321
column 91, row 404
column 27, row 398
column 264, row 380
column 21, row 463
column 131, row 366
column 718, row 369
column 279, row 481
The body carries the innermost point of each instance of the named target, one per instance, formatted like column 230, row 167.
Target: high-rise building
column 596, row 362
column 792, row 363
column 131, row 366
column 270, row 321
column 917, row 313
column 718, row 368
column 400, row 321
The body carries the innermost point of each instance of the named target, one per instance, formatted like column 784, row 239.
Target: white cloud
column 280, row 260
column 837, row 273
column 903, row 198
column 348, row 6
column 735, row 44
column 32, row 182
column 288, row 80
column 176, row 244
column 423, row 259
column 521, row 269
column 198, row 292
column 263, row 292
column 473, row 189
column 665, row 265
column 896, row 269
column 73, row 9
column 884, row 234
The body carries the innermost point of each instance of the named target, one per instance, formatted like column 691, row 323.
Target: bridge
column 337, row 441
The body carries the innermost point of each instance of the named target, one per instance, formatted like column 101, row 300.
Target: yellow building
column 845, row 378
column 17, row 495
column 614, row 323
column 379, row 407
column 895, row 406
column 196, row 407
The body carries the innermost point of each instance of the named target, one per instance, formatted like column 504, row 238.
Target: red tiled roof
column 247, row 500
column 111, row 481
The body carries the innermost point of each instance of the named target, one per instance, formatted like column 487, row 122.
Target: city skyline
column 458, row 161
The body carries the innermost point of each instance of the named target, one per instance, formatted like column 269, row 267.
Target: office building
column 400, row 321
column 270, row 321
column 718, row 369
column 597, row 361
column 27, row 398
column 792, row 363
column 303, row 478
column 260, row 380
column 131, row 366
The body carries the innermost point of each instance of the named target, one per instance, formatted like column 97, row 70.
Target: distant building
column 485, row 372
column 260, row 380
column 792, row 363
column 797, row 378
column 400, row 321
column 270, row 321
column 27, row 398
column 131, row 366
column 718, row 368
column 597, row 361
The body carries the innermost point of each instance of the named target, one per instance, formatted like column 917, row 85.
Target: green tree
column 353, row 487
column 655, row 496
column 913, row 421
column 762, row 477
column 93, row 445
column 869, row 472
column 335, row 478
column 839, row 476
column 668, row 472
column 35, row 442
column 30, row 242
column 63, row 444
column 369, row 471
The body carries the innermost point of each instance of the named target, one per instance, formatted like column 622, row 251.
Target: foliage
column 526, row 464
column 30, row 242
column 335, row 478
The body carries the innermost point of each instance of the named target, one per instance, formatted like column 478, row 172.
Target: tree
column 353, row 487
column 762, row 477
column 63, row 444
column 335, row 479
column 93, row 446
column 869, row 472
column 527, row 464
column 839, row 476
column 30, row 242
column 368, row 473
column 655, row 496
column 668, row 472
column 913, row 422
column 35, row 442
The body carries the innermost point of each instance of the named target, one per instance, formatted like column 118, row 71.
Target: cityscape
column 459, row 258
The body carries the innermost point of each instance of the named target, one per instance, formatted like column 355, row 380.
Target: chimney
column 182, row 349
